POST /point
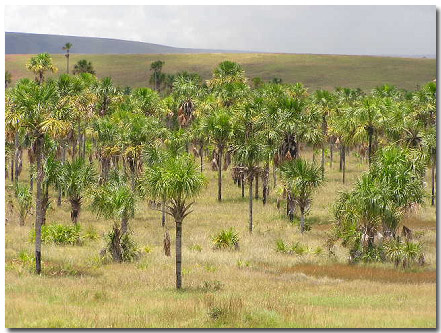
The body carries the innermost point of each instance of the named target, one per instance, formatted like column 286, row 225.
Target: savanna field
column 320, row 253
column 253, row 287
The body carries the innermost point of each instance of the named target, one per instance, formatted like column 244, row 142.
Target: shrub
column 295, row 248
column 226, row 239
column 60, row 234
column 196, row 247
column 23, row 196
column 406, row 253
column 129, row 249
column 90, row 233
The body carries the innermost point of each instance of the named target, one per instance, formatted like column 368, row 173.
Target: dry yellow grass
column 253, row 287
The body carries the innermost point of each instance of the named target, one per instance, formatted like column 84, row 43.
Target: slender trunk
column 274, row 176
column 178, row 254
column 343, row 162
column 242, row 183
column 256, row 192
column 31, row 178
column 167, row 244
column 201, row 155
column 124, row 225
column 302, row 219
column 323, row 161
column 67, row 70
column 219, row 195
column 265, row 183
column 39, row 201
column 331, row 150
column 341, row 157
column 251, row 204
column 433, row 183
column 75, row 204
column 163, row 213
column 17, row 157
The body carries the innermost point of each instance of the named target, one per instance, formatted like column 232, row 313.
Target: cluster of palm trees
column 87, row 137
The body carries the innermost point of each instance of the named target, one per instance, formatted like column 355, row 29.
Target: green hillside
column 315, row 71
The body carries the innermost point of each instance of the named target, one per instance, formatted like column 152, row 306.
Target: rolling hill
column 315, row 71
column 27, row 43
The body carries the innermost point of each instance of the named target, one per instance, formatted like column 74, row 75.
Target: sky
column 364, row 30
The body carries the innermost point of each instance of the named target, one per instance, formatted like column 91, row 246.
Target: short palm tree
column 67, row 48
column 179, row 180
column 301, row 178
column 75, row 177
column 115, row 200
column 40, row 64
column 83, row 66
column 24, row 200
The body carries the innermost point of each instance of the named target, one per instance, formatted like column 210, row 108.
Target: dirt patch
column 355, row 272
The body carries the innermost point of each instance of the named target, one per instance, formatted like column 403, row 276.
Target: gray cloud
column 377, row 30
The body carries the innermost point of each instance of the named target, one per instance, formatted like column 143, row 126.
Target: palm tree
column 115, row 200
column 67, row 48
column 75, row 177
column 40, row 64
column 83, row 66
column 249, row 153
column 24, row 200
column 8, row 79
column 301, row 178
column 41, row 115
column 157, row 77
column 178, row 180
column 219, row 127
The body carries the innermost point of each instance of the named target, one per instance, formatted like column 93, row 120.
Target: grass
column 252, row 287
column 315, row 71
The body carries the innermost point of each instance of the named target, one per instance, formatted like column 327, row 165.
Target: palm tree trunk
column 242, row 183
column 163, row 213
column 331, row 150
column 178, row 254
column 39, row 201
column 323, row 160
column 124, row 225
column 16, row 157
column 302, row 219
column 12, row 168
column 75, row 204
column 274, row 176
column 201, row 155
column 256, row 192
column 219, row 181
column 251, row 204
column 63, row 160
column 433, row 182
column 265, row 183
column 115, row 247
column 343, row 162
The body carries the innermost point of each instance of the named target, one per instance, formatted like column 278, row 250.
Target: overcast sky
column 376, row 30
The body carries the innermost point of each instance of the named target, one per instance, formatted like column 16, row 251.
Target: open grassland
column 253, row 287
column 314, row 71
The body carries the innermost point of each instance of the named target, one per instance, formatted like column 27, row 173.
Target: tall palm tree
column 157, row 77
column 40, row 64
column 67, row 48
column 249, row 153
column 75, row 177
column 219, row 127
column 41, row 115
column 301, row 178
column 179, row 180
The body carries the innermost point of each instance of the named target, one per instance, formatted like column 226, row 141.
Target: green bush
column 196, row 247
column 295, row 248
column 59, row 234
column 129, row 249
column 226, row 239
column 23, row 196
